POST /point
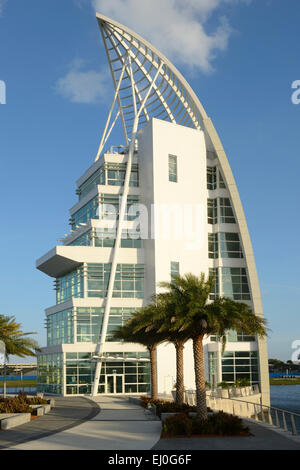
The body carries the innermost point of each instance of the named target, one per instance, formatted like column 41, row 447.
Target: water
column 286, row 397
column 14, row 390
column 274, row 375
column 18, row 377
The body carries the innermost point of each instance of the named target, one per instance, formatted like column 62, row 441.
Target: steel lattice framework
column 134, row 64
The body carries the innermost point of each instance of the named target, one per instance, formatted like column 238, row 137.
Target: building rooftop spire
column 171, row 99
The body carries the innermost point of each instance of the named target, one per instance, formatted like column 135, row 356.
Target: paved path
column 67, row 413
column 264, row 438
column 119, row 425
column 113, row 423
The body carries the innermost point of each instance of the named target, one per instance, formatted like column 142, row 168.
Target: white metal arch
column 171, row 99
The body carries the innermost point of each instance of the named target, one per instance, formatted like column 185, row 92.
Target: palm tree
column 158, row 317
column 198, row 317
column 132, row 332
column 15, row 340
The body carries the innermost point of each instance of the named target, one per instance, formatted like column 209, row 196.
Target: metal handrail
column 269, row 409
column 263, row 413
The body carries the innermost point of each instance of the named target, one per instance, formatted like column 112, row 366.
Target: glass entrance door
column 114, row 383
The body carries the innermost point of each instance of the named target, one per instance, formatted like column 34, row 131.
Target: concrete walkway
column 67, row 413
column 119, row 425
column 113, row 423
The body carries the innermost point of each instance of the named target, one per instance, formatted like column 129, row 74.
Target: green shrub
column 177, row 425
column 220, row 423
column 165, row 406
column 22, row 397
column 224, row 385
column 36, row 401
column 171, row 407
column 20, row 403
column 242, row 382
column 145, row 400
column 13, row 405
column 202, row 426
column 225, row 424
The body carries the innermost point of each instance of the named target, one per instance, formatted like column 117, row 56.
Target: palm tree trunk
column 200, row 377
column 153, row 364
column 179, row 373
column 4, row 381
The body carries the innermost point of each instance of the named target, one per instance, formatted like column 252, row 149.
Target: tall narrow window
column 174, row 268
column 211, row 177
column 212, row 211
column 213, row 245
column 173, row 168
column 226, row 212
column 214, row 294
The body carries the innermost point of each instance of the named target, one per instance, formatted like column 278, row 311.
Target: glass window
column 70, row 285
column 242, row 367
column 107, row 205
column 226, row 212
column 109, row 173
column 235, row 283
column 215, row 291
column 85, row 239
column 60, row 328
column 49, row 373
column 212, row 211
column 96, row 178
column 213, row 251
column 174, row 268
column 129, row 281
column 211, row 177
column 230, row 246
column 173, row 168
column 221, row 181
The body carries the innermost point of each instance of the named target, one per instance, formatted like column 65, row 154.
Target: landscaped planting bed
column 164, row 406
column 11, row 408
column 183, row 424
column 217, row 424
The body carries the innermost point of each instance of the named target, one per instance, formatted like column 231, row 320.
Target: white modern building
column 179, row 212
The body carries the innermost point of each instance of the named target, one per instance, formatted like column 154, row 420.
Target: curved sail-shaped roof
column 171, row 98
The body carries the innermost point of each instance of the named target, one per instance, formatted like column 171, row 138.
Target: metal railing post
column 284, row 421
column 255, row 412
column 277, row 419
column 270, row 417
column 263, row 418
column 294, row 430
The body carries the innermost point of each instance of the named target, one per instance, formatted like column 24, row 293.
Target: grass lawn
column 285, row 381
column 19, row 383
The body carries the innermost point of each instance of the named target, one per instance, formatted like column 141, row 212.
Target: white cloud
column 176, row 27
column 2, row 4
column 83, row 86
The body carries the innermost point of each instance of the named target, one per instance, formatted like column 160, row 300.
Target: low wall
column 244, row 407
column 239, row 401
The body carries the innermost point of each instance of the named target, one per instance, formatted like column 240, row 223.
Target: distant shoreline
column 285, row 381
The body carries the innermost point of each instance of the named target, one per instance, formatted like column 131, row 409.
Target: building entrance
column 114, row 383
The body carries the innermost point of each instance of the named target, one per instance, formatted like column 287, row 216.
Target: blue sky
column 240, row 57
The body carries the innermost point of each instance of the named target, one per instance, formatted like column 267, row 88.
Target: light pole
column 3, row 361
column 21, row 372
